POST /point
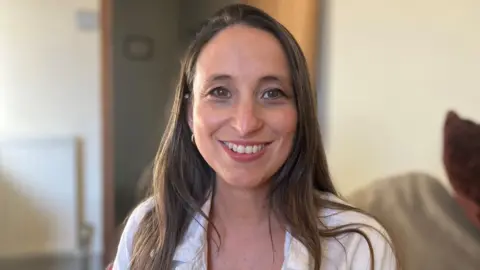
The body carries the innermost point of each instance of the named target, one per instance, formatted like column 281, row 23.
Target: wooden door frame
column 305, row 31
column 106, row 10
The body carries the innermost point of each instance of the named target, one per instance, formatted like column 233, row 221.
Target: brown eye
column 273, row 94
column 221, row 93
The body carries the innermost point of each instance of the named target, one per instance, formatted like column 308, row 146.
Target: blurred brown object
column 461, row 155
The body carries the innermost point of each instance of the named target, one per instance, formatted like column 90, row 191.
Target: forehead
column 243, row 51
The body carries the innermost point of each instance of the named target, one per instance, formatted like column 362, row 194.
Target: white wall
column 50, row 84
column 37, row 219
column 395, row 67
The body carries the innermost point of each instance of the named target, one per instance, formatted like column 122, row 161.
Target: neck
column 234, row 207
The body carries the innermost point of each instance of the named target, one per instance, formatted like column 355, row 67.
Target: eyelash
column 281, row 94
column 214, row 93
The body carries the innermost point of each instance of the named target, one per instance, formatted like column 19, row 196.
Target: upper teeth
column 244, row 149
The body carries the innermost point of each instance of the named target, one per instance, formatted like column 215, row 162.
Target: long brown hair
column 183, row 180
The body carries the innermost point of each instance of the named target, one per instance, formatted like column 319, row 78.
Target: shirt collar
column 192, row 246
column 296, row 255
column 190, row 254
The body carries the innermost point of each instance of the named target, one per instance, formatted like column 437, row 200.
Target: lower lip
column 243, row 157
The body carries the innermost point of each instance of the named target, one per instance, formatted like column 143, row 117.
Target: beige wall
column 50, row 85
column 394, row 69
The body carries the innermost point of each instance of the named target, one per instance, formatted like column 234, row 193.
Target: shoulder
column 125, row 245
column 398, row 189
column 417, row 199
column 363, row 235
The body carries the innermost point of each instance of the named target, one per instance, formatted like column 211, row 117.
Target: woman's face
column 243, row 114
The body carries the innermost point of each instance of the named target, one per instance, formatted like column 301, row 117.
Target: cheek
column 285, row 122
column 206, row 120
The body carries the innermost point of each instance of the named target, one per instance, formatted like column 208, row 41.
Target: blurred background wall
column 393, row 69
column 140, row 90
column 50, row 89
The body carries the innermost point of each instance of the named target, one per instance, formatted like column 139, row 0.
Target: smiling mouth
column 245, row 149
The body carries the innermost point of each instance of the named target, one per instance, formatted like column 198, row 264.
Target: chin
column 244, row 180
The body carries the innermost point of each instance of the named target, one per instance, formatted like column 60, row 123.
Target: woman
column 241, row 180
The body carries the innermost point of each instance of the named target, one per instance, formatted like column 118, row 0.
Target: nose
column 247, row 118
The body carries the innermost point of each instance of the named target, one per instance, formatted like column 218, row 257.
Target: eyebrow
column 271, row 78
column 219, row 77
column 224, row 77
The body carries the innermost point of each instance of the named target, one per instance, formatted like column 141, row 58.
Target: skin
column 242, row 92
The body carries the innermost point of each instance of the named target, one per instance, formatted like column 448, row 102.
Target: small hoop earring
column 193, row 139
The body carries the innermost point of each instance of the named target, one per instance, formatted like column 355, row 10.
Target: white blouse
column 349, row 251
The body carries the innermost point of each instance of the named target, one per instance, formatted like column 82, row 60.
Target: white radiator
column 39, row 197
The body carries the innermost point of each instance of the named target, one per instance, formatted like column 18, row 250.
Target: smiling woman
column 241, row 180
column 242, row 100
